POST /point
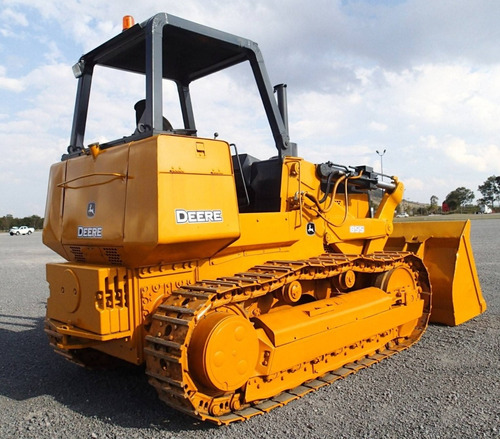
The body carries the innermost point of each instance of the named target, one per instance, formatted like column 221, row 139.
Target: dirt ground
column 446, row 386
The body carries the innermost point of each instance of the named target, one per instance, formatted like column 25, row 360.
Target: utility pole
column 381, row 154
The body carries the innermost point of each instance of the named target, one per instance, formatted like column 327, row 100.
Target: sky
column 419, row 79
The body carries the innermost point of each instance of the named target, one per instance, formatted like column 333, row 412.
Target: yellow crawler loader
column 241, row 284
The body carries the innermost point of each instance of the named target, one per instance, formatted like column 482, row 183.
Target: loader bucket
column 446, row 251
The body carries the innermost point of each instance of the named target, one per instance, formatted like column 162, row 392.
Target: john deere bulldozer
column 241, row 283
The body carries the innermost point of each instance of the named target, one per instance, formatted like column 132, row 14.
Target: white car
column 23, row 230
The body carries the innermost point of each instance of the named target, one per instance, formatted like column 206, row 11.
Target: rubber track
column 185, row 307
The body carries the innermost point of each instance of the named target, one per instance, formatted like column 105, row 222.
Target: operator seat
column 140, row 108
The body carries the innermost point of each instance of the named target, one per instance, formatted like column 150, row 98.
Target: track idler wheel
column 401, row 283
column 397, row 281
column 223, row 352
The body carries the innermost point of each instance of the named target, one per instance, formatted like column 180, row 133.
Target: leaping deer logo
column 91, row 209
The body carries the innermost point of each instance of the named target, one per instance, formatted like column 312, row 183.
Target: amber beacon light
column 128, row 22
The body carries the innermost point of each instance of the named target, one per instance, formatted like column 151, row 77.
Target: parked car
column 23, row 230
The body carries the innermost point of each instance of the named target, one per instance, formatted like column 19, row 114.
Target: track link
column 174, row 321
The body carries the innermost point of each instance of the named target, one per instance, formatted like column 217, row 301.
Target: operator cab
column 166, row 47
column 169, row 48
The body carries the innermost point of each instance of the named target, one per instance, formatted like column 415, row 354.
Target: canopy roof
column 189, row 50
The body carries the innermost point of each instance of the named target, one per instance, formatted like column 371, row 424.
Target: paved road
column 447, row 386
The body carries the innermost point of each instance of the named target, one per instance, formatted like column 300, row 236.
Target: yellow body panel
column 164, row 199
column 164, row 213
column 93, row 299
column 376, row 325
column 313, row 318
column 171, row 199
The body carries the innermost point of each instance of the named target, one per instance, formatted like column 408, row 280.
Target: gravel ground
column 446, row 386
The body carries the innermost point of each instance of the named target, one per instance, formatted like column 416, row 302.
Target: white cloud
column 418, row 77
column 11, row 84
column 377, row 126
column 13, row 17
column 480, row 157
column 437, row 120
column 415, row 183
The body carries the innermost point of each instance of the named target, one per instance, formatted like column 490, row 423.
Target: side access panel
column 181, row 200
column 164, row 199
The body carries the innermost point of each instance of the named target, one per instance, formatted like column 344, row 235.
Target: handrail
column 115, row 175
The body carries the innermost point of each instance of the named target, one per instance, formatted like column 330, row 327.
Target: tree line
column 462, row 197
column 8, row 221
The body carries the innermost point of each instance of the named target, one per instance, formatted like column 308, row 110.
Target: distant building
column 484, row 209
